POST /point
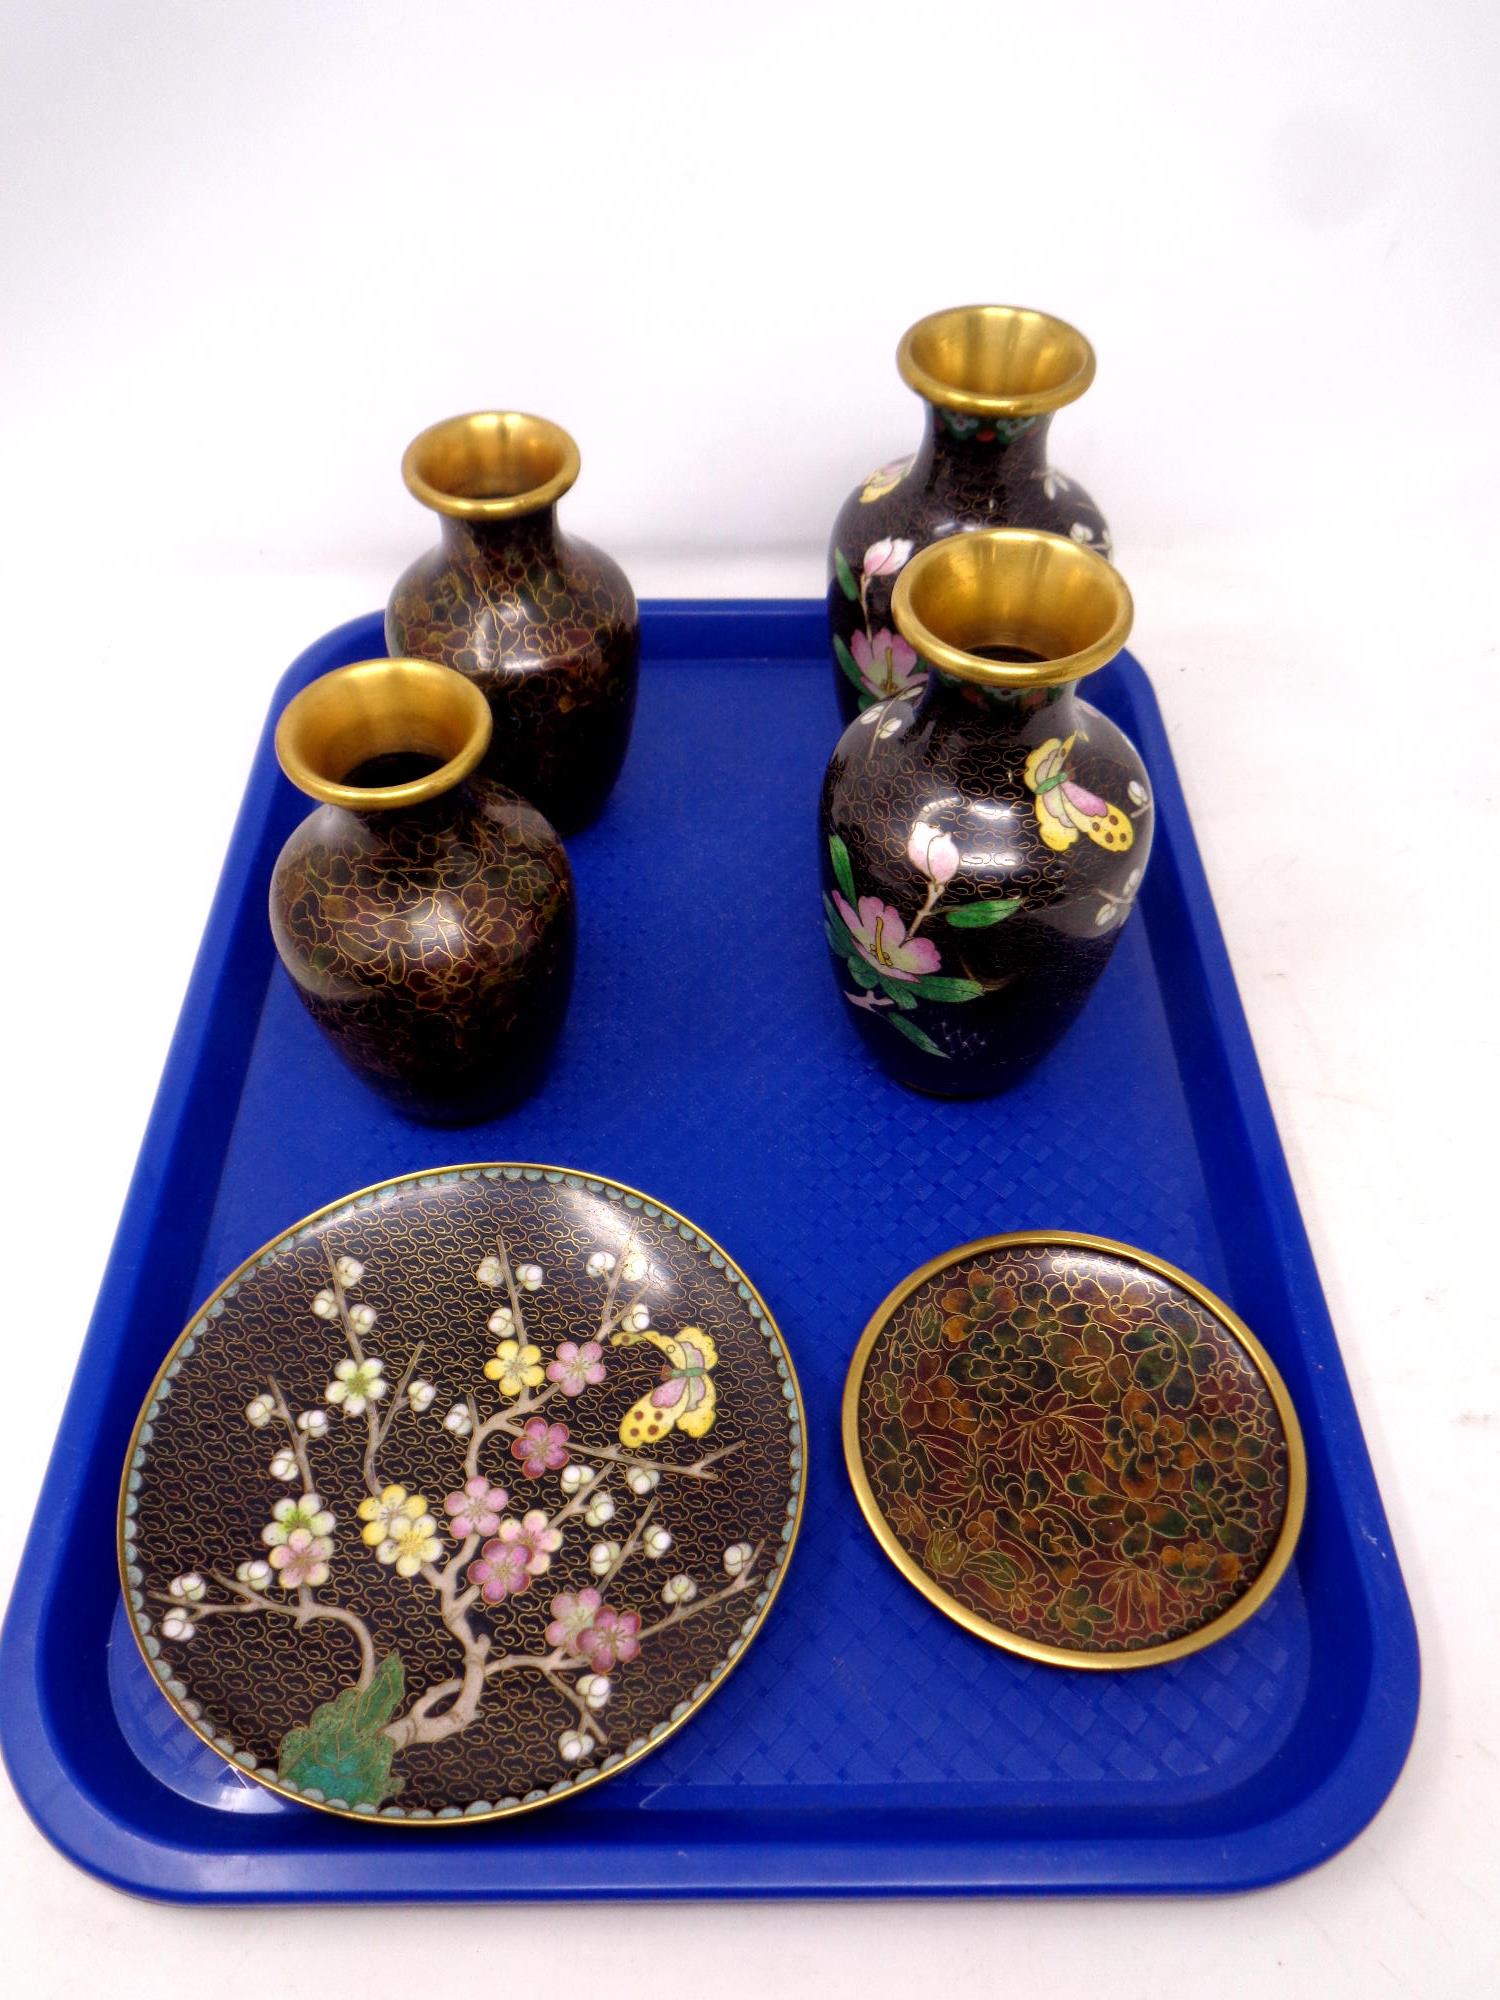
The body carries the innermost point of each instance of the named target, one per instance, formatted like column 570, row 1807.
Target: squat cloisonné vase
column 545, row 625
column 424, row 912
column 991, row 377
column 984, row 837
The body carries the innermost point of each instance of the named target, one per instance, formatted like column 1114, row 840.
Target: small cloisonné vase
column 985, row 836
column 424, row 911
column 545, row 625
column 991, row 377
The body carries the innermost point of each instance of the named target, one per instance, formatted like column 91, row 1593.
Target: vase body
column 432, row 945
column 968, row 473
column 968, row 910
column 548, row 628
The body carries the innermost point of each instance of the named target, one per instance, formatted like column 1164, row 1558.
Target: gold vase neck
column 996, row 361
column 1017, row 589
column 382, row 708
column 492, row 465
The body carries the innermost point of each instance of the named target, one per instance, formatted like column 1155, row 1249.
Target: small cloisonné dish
column 462, row 1494
column 1075, row 1450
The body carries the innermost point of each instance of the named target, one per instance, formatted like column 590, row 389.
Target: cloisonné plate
column 462, row 1494
column 1075, row 1450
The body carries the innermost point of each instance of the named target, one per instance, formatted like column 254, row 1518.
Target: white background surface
column 246, row 252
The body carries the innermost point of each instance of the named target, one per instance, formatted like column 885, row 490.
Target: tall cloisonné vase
column 424, row 912
column 991, row 377
column 985, row 836
column 544, row 624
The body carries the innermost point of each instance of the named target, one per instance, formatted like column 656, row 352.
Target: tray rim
column 1322, row 1820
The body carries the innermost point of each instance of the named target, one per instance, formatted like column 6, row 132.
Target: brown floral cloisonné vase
column 991, row 377
column 984, row 839
column 424, row 912
column 1075, row 1450
column 544, row 624
column 463, row 1494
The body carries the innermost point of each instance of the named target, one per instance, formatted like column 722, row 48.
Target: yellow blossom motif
column 412, row 1541
column 395, row 1509
column 515, row 1367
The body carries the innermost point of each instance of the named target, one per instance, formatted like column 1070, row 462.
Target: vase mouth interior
column 423, row 724
column 996, row 361
column 490, row 465
column 1012, row 608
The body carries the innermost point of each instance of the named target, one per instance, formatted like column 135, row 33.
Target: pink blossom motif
column 611, row 1639
column 887, row 665
column 475, row 1509
column 501, row 1569
column 880, row 939
column 886, row 557
column 576, row 1368
column 541, row 1447
column 532, row 1534
column 933, row 852
column 573, row 1612
column 302, row 1558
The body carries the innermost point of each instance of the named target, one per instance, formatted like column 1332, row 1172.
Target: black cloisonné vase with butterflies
column 991, row 377
column 984, row 839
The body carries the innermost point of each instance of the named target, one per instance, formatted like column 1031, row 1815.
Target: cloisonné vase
column 424, row 911
column 544, row 624
column 991, row 377
column 984, row 837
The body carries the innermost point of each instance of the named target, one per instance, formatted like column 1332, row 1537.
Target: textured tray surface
column 866, row 1744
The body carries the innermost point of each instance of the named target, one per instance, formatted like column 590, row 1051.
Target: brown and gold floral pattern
column 547, row 626
column 1075, row 1450
column 433, row 945
column 462, row 1494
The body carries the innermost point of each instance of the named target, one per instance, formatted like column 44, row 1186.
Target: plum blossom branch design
column 525, row 1487
column 876, row 658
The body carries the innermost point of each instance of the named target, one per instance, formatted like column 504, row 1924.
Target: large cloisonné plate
column 1075, row 1450
column 462, row 1494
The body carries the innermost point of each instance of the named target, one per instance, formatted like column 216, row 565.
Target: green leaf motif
column 342, row 1752
column 845, row 575
column 862, row 974
column 837, row 930
column 846, row 661
column 896, row 989
column 843, row 874
column 914, row 1034
column 978, row 916
column 935, row 986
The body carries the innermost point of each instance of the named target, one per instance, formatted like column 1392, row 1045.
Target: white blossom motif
column 642, row 1479
column 529, row 1277
column 603, row 1556
column 1053, row 482
column 357, row 1384
column 257, row 1573
column 573, row 1746
column 737, row 1558
column 348, row 1271
column 458, row 1420
column 188, row 1588
column 575, row 1477
column 678, row 1590
column 259, row 1411
column 326, row 1304
column 490, row 1272
column 176, row 1624
column 600, row 1264
column 288, row 1516
column 656, row 1541
column 599, row 1510
column 886, row 557
column 502, row 1321
column 314, row 1422
column 595, row 1689
column 1136, row 792
column 362, row 1318
column 284, row 1464
column 421, row 1395
column 637, row 1319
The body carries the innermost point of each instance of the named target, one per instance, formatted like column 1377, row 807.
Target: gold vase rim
column 1016, row 587
column 376, row 708
column 490, row 465
column 996, row 361
column 1159, row 1654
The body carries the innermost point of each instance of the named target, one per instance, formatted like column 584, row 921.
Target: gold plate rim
column 586, row 1782
column 1243, row 1608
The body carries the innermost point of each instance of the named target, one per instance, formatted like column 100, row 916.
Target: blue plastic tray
column 866, row 1745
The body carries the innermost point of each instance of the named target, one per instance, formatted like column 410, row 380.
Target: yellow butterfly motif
column 685, row 1398
column 1064, row 809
